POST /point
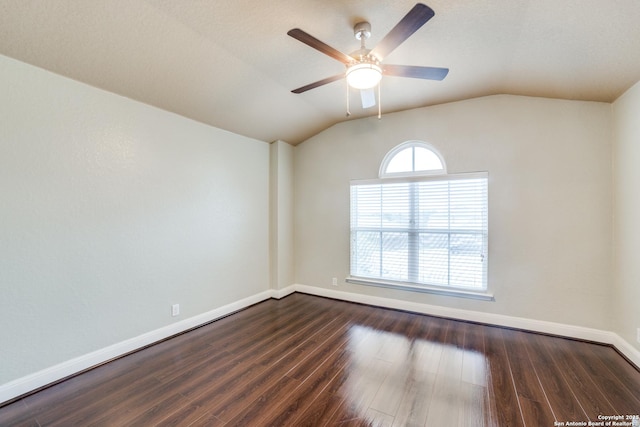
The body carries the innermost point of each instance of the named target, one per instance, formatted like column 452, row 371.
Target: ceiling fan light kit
column 364, row 75
column 364, row 69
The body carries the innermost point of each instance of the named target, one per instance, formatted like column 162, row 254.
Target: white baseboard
column 625, row 348
column 281, row 293
column 570, row 331
column 55, row 373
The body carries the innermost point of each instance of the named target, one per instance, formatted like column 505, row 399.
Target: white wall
column 626, row 298
column 550, row 208
column 111, row 211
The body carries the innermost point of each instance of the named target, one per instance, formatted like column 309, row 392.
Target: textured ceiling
column 231, row 64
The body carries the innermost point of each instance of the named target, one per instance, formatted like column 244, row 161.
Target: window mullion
column 413, row 250
column 381, row 236
column 381, row 251
column 449, row 233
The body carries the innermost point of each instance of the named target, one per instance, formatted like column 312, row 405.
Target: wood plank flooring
column 310, row 361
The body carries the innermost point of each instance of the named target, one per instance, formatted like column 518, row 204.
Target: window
column 411, row 159
column 424, row 232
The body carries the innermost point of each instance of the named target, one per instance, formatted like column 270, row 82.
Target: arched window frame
column 411, row 145
column 370, row 265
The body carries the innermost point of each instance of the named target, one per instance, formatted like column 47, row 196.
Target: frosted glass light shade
column 363, row 76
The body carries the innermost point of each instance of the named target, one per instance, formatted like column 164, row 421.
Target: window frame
column 421, row 176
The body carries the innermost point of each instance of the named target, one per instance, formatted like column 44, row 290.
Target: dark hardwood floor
column 309, row 361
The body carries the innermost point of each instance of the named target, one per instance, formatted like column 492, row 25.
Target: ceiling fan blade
column 429, row 73
column 368, row 97
column 309, row 40
column 412, row 21
column 319, row 83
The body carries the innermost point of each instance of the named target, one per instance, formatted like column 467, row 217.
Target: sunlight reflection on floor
column 394, row 381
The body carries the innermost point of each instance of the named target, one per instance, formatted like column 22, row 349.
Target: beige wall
column 626, row 298
column 550, row 209
column 111, row 211
column 281, row 215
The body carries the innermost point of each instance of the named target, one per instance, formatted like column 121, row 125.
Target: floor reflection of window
column 426, row 383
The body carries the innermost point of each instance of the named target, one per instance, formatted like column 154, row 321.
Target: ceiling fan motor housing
column 362, row 31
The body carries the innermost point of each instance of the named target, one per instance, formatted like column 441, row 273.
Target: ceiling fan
column 364, row 66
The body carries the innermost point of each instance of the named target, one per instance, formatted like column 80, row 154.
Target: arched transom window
column 412, row 158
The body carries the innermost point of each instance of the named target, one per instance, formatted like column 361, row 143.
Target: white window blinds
column 423, row 232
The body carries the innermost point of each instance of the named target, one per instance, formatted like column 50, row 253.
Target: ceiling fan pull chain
column 348, row 112
column 379, row 102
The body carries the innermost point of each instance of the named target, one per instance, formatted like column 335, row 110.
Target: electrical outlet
column 175, row 310
column 334, row 281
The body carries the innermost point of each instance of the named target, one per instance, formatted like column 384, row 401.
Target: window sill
column 451, row 292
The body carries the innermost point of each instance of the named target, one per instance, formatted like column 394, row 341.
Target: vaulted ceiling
column 231, row 64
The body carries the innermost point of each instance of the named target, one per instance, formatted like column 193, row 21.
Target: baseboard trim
column 27, row 384
column 552, row 328
column 281, row 293
column 626, row 349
